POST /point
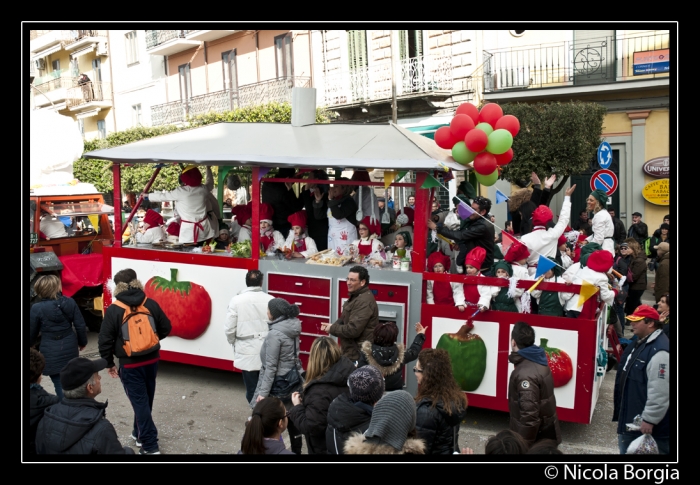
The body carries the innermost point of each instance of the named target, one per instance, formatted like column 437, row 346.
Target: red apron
column 442, row 293
column 266, row 240
column 299, row 245
column 471, row 294
column 364, row 249
column 197, row 227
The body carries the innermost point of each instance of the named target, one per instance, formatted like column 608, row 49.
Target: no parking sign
column 605, row 180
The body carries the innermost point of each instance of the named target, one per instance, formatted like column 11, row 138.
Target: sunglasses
column 417, row 370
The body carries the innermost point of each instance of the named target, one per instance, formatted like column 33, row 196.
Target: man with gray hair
column 77, row 425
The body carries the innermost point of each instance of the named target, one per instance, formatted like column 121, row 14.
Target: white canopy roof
column 385, row 146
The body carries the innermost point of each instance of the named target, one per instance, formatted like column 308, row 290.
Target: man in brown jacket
column 360, row 315
column 531, row 401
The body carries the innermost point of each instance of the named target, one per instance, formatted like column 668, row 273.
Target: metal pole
column 394, row 114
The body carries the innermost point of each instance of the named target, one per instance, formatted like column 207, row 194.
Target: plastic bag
column 644, row 445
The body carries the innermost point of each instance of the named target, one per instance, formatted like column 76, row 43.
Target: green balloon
column 487, row 180
column 499, row 142
column 485, row 127
column 462, row 154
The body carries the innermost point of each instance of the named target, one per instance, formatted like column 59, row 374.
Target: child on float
column 443, row 292
column 402, row 240
column 476, row 294
column 298, row 241
column 516, row 255
column 243, row 218
column 270, row 240
column 552, row 302
column 152, row 230
column 505, row 298
column 594, row 273
column 369, row 245
column 564, row 252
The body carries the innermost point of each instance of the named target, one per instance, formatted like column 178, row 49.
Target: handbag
column 283, row 386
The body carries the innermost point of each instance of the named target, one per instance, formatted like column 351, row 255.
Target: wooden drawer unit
column 305, row 285
column 307, row 304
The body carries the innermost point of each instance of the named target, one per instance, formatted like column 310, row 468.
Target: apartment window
column 283, row 55
column 56, row 65
column 410, row 44
column 136, row 118
column 101, row 129
column 132, row 53
column 228, row 62
column 185, row 81
column 97, row 70
column 357, row 49
column 74, row 68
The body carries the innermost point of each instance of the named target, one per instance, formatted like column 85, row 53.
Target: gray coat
column 278, row 354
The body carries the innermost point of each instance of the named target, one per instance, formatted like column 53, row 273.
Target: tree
column 559, row 138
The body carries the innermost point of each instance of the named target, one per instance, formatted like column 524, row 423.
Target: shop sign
column 658, row 167
column 649, row 62
column 657, row 192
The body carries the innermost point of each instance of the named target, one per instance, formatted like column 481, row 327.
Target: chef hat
column 600, row 261
column 516, row 252
column 191, row 176
column 586, row 251
column 562, row 240
column 374, row 228
column 438, row 257
column 174, row 229
column 242, row 213
column 266, row 213
column 153, row 218
column 298, row 219
column 475, row 257
column 542, row 215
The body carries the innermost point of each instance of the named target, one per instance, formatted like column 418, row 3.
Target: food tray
column 328, row 257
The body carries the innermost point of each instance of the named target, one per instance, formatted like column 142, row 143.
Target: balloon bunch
column 484, row 137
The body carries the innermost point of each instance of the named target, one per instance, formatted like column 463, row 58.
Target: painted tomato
column 468, row 356
column 559, row 363
column 186, row 304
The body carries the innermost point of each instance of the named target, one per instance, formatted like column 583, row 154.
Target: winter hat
column 516, row 252
column 467, row 189
column 642, row 312
column 503, row 265
column 438, row 257
column 406, row 237
column 153, row 218
column 224, row 231
column 393, row 417
column 266, row 213
column 282, row 308
column 374, row 227
column 79, row 370
column 562, row 240
column 366, row 385
column 600, row 260
column 541, row 216
column 475, row 257
column 191, row 176
column 298, row 219
column 662, row 248
column 600, row 196
column 586, row 251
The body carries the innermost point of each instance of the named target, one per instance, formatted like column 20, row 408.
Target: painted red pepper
column 559, row 363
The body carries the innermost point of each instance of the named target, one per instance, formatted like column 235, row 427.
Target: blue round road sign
column 604, row 155
column 604, row 180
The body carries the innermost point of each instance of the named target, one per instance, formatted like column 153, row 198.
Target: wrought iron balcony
column 415, row 75
column 279, row 90
column 53, row 82
column 92, row 93
column 570, row 63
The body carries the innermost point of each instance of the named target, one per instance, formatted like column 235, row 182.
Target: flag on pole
column 543, row 265
column 532, row 288
column 262, row 172
column 389, row 177
column 506, row 241
column 464, row 210
column 500, row 197
column 587, row 291
column 430, row 182
column 400, row 175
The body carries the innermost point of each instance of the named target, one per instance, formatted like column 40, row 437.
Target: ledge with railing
column 157, row 37
column 88, row 93
column 579, row 62
column 60, row 78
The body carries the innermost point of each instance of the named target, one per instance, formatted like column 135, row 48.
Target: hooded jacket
column 39, row 400
column 531, row 401
column 78, row 427
column 358, row 445
column 344, row 418
column 356, row 323
column 438, row 429
column 390, row 360
column 311, row 416
column 110, row 341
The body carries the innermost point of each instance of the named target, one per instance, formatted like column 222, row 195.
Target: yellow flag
column 389, row 177
column 587, row 291
column 296, row 188
column 532, row 288
column 94, row 221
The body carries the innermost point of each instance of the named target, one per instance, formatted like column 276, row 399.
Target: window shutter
column 403, row 44
column 357, row 49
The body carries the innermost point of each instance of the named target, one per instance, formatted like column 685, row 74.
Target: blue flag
column 544, row 265
column 500, row 197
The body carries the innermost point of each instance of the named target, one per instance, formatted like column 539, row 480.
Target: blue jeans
column 140, row 387
column 624, row 440
column 58, row 389
column 250, row 379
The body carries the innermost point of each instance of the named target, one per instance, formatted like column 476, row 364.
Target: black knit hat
column 366, row 385
column 282, row 308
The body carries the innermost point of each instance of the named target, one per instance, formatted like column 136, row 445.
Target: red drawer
column 307, row 304
column 305, row 341
column 306, row 285
column 313, row 324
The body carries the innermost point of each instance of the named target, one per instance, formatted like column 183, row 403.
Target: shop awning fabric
column 386, row 146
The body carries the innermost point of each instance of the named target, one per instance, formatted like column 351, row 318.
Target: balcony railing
column 157, row 37
column 35, row 34
column 58, row 82
column 415, row 75
column 88, row 93
column 279, row 90
column 590, row 61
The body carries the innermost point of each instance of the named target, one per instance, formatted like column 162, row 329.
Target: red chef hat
column 562, row 240
column 516, row 252
column 541, row 216
column 360, row 176
column 438, row 257
column 374, row 228
column 600, row 261
column 298, row 219
column 266, row 212
column 174, row 229
column 191, row 176
column 475, row 257
column 242, row 213
column 582, row 237
column 153, row 218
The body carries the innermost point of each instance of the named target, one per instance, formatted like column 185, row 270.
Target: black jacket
column 639, row 232
column 316, row 218
column 78, row 427
column 344, row 208
column 110, row 341
column 476, row 233
column 310, row 417
column 284, row 203
column 39, row 400
column 439, row 430
column 390, row 360
column 344, row 418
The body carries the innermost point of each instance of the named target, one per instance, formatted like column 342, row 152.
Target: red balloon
column 469, row 110
column 504, row 158
column 476, row 141
column 460, row 125
column 444, row 138
column 485, row 163
column 490, row 113
column 510, row 123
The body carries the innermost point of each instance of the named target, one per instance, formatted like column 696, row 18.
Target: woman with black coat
column 326, row 378
column 388, row 356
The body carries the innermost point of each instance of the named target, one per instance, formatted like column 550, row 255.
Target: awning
column 87, row 49
column 47, row 52
column 87, row 114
